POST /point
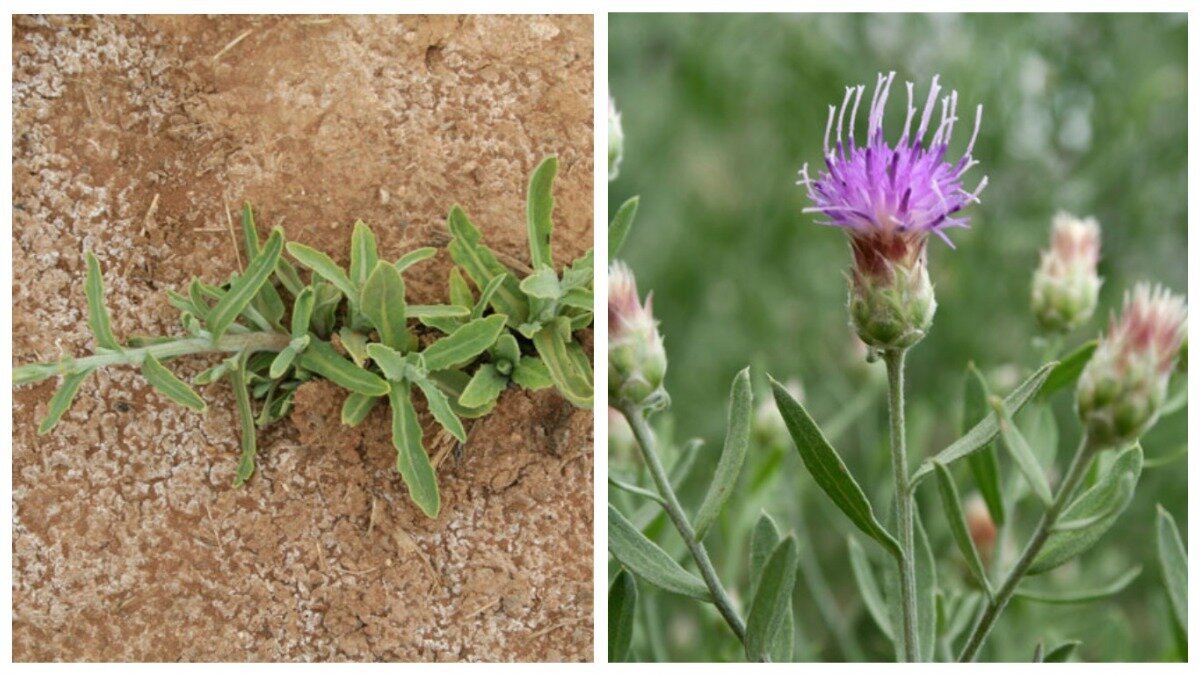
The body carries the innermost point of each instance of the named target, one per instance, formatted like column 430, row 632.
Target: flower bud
column 1065, row 285
column 637, row 362
column 891, row 297
column 616, row 141
column 980, row 526
column 1123, row 387
column 622, row 446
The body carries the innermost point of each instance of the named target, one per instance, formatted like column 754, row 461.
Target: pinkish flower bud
column 1123, row 387
column 891, row 297
column 1065, row 286
column 637, row 362
column 980, row 526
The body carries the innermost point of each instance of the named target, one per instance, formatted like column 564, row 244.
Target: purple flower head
column 891, row 198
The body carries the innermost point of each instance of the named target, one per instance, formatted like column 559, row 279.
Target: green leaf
column 573, row 381
column 1073, row 597
column 439, row 407
column 539, row 207
column 986, row 429
column 464, row 344
column 326, row 299
column 1172, row 560
column 985, row 468
column 460, row 292
column 618, row 229
column 302, row 312
column 1061, row 653
column 62, row 399
column 763, row 541
column 581, row 272
column 170, row 386
column 481, row 266
column 868, row 588
column 737, row 439
column 1101, row 505
column 484, row 388
column 355, row 344
column 415, row 256
column 453, row 383
column 285, row 272
column 622, row 603
column 770, row 606
column 34, row 372
column 321, row 358
column 530, row 373
column 828, row 469
column 579, row 298
column 507, row 348
column 411, row 459
column 645, row 559
column 282, row 362
column 97, row 312
column 323, row 266
column 391, row 362
column 423, row 312
column 235, row 301
column 237, row 377
column 543, row 283
column 249, row 230
column 357, row 407
column 364, row 254
column 1022, row 454
column 926, row 583
column 1068, row 370
column 952, row 506
column 383, row 304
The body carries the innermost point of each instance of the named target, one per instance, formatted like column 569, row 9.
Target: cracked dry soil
column 133, row 137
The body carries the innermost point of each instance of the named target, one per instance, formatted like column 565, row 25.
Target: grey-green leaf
column 411, row 459
column 237, row 376
column 1080, row 596
column 763, row 541
column 439, row 406
column 769, row 609
column 302, row 311
column 283, row 361
column 618, row 229
column 323, row 266
column 415, row 256
column 645, row 559
column 464, row 344
column 481, row 265
column 737, row 439
column 382, row 302
column 532, row 374
column 485, row 387
column 622, row 603
column 364, row 254
column 828, row 469
column 868, row 588
column 97, row 313
column 438, row 312
column 543, row 283
column 357, row 407
column 170, row 386
column 1068, row 370
column 539, row 208
column 321, row 358
column 565, row 362
column 1061, row 653
column 246, row 287
column 1172, row 560
column 952, row 506
column 62, row 399
column 985, row 468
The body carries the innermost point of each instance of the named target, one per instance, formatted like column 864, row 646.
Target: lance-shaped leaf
column 1080, row 596
column 480, row 264
column 267, row 301
column 239, row 295
column 321, row 358
column 485, row 387
column 453, row 383
column 622, row 603
column 926, row 583
column 1068, row 370
column 460, row 291
column 828, row 469
column 645, row 559
column 357, row 407
column 737, row 439
column 464, row 344
column 768, row 611
column 62, row 399
column 170, row 386
column 439, row 407
column 411, row 459
column 282, row 362
column 364, row 254
column 415, row 256
column 868, row 588
column 1096, row 510
column 565, row 362
column 579, row 298
column 383, row 304
column 286, row 273
column 952, row 506
column 1172, row 560
column 1022, row 454
column 1061, row 653
column 237, row 377
column 302, row 311
column 543, row 284
column 323, row 266
column 986, row 429
column 618, row 229
column 485, row 296
column 539, row 207
column 985, row 468
column 532, row 374
column 391, row 362
column 355, row 344
column 97, row 313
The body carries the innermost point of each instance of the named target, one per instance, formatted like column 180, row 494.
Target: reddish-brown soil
column 134, row 138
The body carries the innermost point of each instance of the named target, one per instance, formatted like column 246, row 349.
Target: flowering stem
column 228, row 343
column 1066, row 490
column 645, row 440
column 894, row 358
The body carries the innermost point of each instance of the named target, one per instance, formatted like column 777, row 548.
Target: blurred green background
column 1084, row 113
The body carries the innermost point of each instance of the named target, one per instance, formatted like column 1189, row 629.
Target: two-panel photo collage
column 310, row 359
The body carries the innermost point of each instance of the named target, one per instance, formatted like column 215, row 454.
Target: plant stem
column 645, row 439
column 894, row 358
column 1075, row 474
column 229, row 343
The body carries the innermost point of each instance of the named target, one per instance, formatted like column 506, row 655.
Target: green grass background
column 1085, row 113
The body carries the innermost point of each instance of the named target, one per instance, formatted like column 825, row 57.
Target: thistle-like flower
column 1065, row 286
column 889, row 199
column 616, row 141
column 637, row 362
column 1123, row 387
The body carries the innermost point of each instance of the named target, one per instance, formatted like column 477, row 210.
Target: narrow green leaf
column 453, row 383
column 285, row 272
column 828, row 469
column 439, row 407
column 622, row 603
column 383, row 304
column 986, row 429
column 97, row 312
column 769, row 609
column 1172, row 560
column 282, row 362
column 355, row 344
column 415, row 256
column 530, row 373
column 1022, row 454
column 249, row 231
column 357, row 407
column 464, row 344
column 235, row 301
column 237, row 377
column 323, row 266
column 423, row 312
column 326, row 300
column 539, row 208
column 391, row 362
column 1110, row 495
column 321, row 358
column 481, row 266
column 484, row 388
column 579, row 298
column 1039, row 652
column 763, row 541
column 1061, row 653
column 952, row 506
column 868, row 588
column 1068, row 370
column 411, row 459
column 302, row 312
column 562, row 360
column 618, row 229
column 645, row 559
column 985, row 467
column 543, row 284
column 62, row 399
column 926, row 583
column 170, row 386
column 737, row 439
column 460, row 292
column 364, row 254
column 485, row 296
column 1080, row 596
column 635, row 490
